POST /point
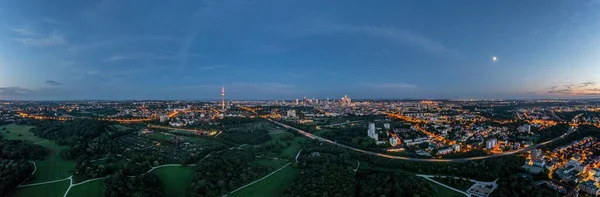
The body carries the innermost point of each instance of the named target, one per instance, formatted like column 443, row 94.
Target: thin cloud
column 122, row 40
column 267, row 49
column 25, row 31
column 163, row 55
column 54, row 38
column 586, row 84
column 390, row 85
column 399, row 36
column 54, row 83
column 213, row 67
column 13, row 91
column 53, row 21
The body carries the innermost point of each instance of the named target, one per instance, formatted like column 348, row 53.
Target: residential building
column 589, row 187
column 372, row 132
column 490, row 144
column 393, row 141
column 456, row 147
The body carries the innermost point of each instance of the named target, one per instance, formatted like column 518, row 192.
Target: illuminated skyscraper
column 223, row 98
column 346, row 101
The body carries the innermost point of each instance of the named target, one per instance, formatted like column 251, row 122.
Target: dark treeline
column 223, row 172
column 471, row 153
column 81, row 135
column 325, row 171
column 355, row 136
column 17, row 149
column 582, row 131
column 328, row 170
column 14, row 169
column 376, row 183
column 483, row 170
column 521, row 185
column 244, row 131
column 70, row 132
column 86, row 143
column 146, row 185
column 13, row 173
column 553, row 132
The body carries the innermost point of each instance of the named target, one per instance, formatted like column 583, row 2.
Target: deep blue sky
column 187, row 49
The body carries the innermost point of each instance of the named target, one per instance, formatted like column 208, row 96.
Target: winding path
column 259, row 179
column 446, row 186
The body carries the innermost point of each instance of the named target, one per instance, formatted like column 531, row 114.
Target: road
column 309, row 135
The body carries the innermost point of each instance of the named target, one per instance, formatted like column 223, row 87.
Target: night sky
column 188, row 49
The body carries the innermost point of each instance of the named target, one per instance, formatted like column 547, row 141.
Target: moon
column 494, row 58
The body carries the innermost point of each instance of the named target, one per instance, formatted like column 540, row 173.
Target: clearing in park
column 271, row 186
column 54, row 166
column 89, row 189
column 175, row 179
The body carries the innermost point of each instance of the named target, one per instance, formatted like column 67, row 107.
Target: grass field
column 444, row 192
column 89, row 189
column 121, row 127
column 274, row 185
column 175, row 180
column 160, row 136
column 23, row 130
column 47, row 190
column 53, row 167
column 295, row 146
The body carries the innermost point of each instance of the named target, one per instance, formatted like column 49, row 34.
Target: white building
column 346, row 100
column 456, row 147
column 524, row 129
column 291, row 113
column 490, row 144
column 589, row 187
column 444, row 151
column 164, row 118
column 372, row 132
column 386, row 126
column 393, row 141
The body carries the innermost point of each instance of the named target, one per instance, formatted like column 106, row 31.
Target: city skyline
column 186, row 50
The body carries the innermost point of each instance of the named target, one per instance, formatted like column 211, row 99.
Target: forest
column 224, row 172
column 146, row 185
column 520, row 185
column 328, row 170
column 13, row 173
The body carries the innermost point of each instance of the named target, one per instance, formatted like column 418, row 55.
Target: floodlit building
column 589, row 187
column 386, row 126
column 524, row 129
column 291, row 113
column 346, row 100
column 444, row 151
column 456, row 147
column 164, row 118
column 490, row 144
column 393, row 141
column 372, row 132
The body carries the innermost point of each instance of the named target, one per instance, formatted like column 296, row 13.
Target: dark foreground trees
column 330, row 171
column 146, row 185
column 17, row 149
column 13, row 173
column 223, row 172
